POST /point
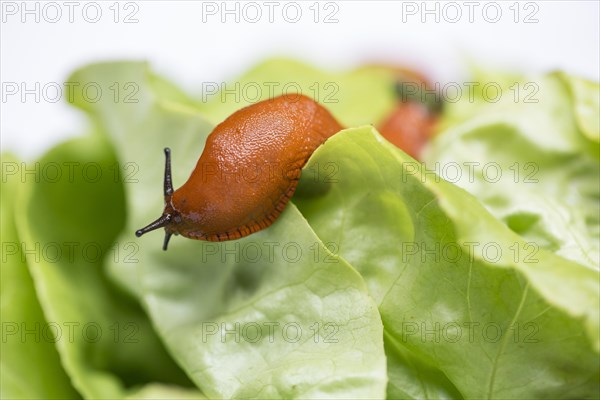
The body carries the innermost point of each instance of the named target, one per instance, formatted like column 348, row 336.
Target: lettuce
column 533, row 164
column 312, row 329
column 106, row 342
column 25, row 342
column 448, row 281
column 380, row 279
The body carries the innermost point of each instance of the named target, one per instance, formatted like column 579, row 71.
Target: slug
column 409, row 127
column 248, row 171
column 414, row 120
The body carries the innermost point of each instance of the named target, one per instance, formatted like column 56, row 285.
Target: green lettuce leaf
column 586, row 103
column 71, row 221
column 319, row 332
column 27, row 338
column 534, row 162
column 157, row 391
column 455, row 287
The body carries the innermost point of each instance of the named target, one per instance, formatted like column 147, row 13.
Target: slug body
column 248, row 171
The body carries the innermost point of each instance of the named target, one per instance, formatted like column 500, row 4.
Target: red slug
column 412, row 123
column 248, row 171
column 410, row 126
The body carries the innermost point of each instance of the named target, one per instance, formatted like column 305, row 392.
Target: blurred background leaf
column 27, row 338
column 113, row 346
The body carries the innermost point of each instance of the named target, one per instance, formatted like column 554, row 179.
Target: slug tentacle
column 161, row 222
column 164, row 220
column 167, row 238
column 168, row 182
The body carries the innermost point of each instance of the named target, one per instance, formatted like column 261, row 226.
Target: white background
column 189, row 44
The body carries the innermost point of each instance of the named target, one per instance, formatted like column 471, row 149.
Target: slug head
column 170, row 219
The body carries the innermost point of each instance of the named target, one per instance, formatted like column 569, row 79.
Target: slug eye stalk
column 166, row 218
